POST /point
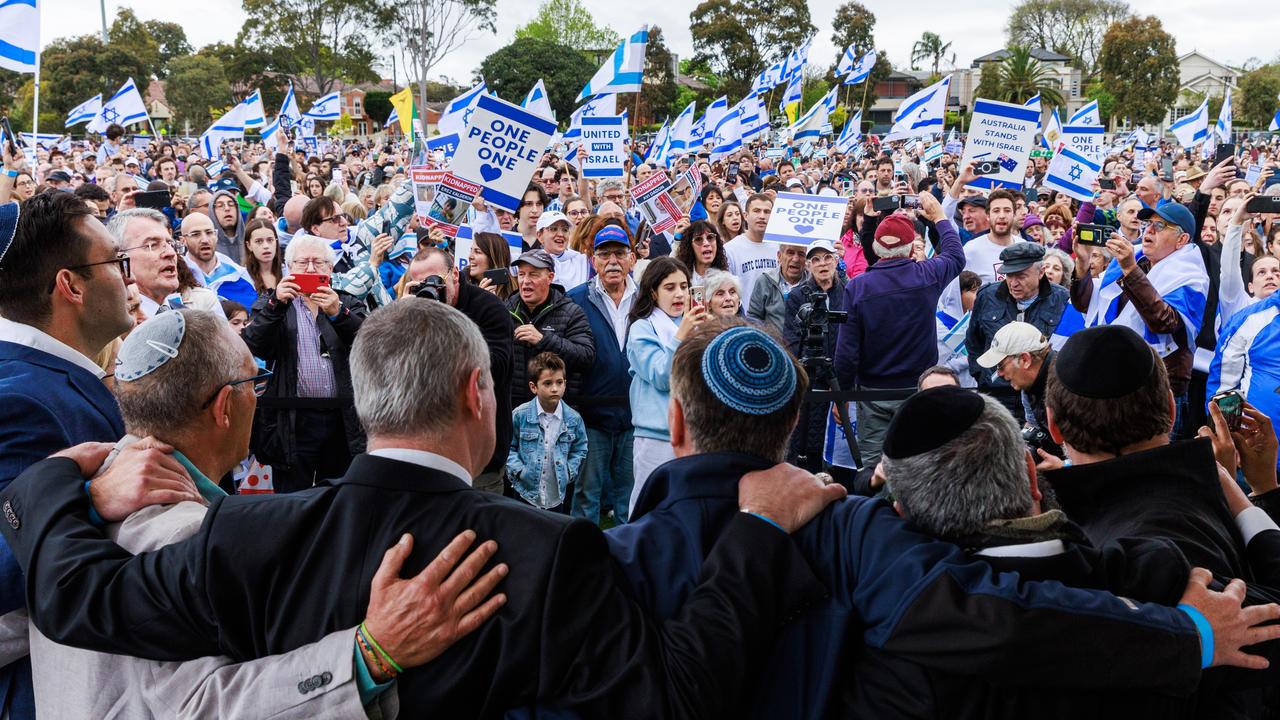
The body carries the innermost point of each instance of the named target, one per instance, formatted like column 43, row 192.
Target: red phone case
column 309, row 282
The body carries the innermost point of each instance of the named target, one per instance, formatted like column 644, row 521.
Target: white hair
column 311, row 242
column 714, row 279
column 887, row 253
column 118, row 225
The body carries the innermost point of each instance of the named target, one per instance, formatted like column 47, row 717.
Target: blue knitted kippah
column 748, row 371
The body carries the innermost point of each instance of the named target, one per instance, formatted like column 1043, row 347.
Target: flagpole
column 636, row 123
column 866, row 84
column 35, row 115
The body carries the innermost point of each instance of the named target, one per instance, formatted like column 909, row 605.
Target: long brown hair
column 251, row 263
column 685, row 252
column 495, row 249
column 647, row 293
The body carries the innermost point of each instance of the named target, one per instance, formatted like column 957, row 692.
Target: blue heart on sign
column 804, row 229
column 489, row 172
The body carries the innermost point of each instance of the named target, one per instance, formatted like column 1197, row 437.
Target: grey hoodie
column 230, row 245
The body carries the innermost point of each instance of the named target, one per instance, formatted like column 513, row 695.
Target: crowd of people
column 609, row 460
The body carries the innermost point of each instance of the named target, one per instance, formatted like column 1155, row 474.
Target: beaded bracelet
column 378, row 647
column 368, row 652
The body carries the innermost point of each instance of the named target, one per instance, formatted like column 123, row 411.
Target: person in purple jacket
column 890, row 337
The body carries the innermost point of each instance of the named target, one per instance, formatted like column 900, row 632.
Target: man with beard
column 211, row 268
column 224, row 210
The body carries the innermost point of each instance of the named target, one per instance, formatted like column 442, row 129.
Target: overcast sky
column 1229, row 31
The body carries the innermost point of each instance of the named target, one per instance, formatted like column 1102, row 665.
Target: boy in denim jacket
column 548, row 442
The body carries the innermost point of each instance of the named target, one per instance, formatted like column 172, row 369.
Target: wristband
column 762, row 517
column 94, row 517
column 1206, row 633
column 11, row 173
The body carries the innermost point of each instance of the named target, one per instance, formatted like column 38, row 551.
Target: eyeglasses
column 200, row 234
column 120, row 258
column 154, row 247
column 255, row 379
column 341, row 219
column 705, row 239
column 1000, row 365
column 578, row 213
column 1158, row 225
column 610, row 254
column 308, row 263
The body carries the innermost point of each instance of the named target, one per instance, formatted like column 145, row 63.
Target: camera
column 432, row 288
column 1038, row 439
column 816, row 318
column 986, row 167
column 889, row 203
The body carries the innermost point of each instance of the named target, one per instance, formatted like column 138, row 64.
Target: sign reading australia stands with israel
column 1003, row 133
column 500, row 150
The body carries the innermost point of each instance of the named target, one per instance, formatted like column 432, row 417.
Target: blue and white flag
column 1049, row 138
column 537, row 101
column 328, row 107
column 289, row 114
column 254, row 114
column 392, row 119
column 933, row 152
column 845, row 63
column 1180, row 279
column 44, row 140
column 602, row 106
column 623, row 71
column 1071, row 321
column 861, row 70
column 457, row 114
column 791, row 94
column 754, row 118
column 85, row 111
column 794, row 64
column 1248, row 356
column 727, row 138
column 1072, row 173
column 810, row 126
column 681, row 139
column 850, row 135
column 768, row 79
column 19, row 35
column 654, row 154
column 1034, row 103
column 228, row 127
column 698, row 134
column 1192, row 128
column 1087, row 115
column 1275, row 122
column 215, row 168
column 231, row 282
column 124, row 108
column 1222, row 130
column 921, row 114
column 712, row 117
column 269, row 133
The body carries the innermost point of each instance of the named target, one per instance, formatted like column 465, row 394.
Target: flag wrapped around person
column 1180, row 279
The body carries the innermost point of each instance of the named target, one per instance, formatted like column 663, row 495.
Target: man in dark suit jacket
column 63, row 298
column 268, row 574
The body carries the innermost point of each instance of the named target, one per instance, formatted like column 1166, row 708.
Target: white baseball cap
column 551, row 217
column 819, row 245
column 1012, row 339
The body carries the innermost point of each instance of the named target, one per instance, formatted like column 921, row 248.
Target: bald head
column 201, row 238
column 610, row 209
column 293, row 211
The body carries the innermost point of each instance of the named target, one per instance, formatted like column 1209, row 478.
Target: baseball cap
column 537, row 258
column 551, row 217
column 1020, row 256
column 130, row 161
column 610, row 235
column 1012, row 339
column 58, row 176
column 895, row 230
column 1174, row 213
column 820, row 245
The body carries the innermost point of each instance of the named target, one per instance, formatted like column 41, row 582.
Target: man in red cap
column 890, row 337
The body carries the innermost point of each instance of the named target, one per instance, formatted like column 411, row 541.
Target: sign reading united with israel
column 1003, row 133
column 603, row 137
column 500, row 149
column 800, row 219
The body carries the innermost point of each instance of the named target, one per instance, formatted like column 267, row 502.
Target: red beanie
column 895, row 230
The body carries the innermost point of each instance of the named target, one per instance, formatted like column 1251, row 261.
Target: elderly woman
column 722, row 294
column 1059, row 268
column 304, row 331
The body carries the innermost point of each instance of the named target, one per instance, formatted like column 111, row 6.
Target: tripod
column 816, row 321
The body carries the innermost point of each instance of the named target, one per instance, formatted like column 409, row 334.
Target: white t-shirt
column 748, row 260
column 571, row 268
column 981, row 256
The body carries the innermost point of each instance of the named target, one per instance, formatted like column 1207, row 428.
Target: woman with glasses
column 304, row 330
column 701, row 249
column 577, row 210
column 262, row 255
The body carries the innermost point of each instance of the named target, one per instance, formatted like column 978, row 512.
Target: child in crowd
column 549, row 442
column 237, row 314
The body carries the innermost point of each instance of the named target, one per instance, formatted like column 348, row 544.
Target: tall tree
column 736, row 38
column 659, row 91
column 568, row 22
column 249, row 68
column 930, row 47
column 131, row 35
column 197, row 90
column 1021, row 77
column 427, row 31
column 171, row 42
column 1071, row 27
column 1139, row 66
column 1258, row 91
column 512, row 71
column 314, row 42
column 854, row 25
column 75, row 69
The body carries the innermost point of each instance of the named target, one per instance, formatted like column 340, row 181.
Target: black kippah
column 1105, row 362
column 930, row 419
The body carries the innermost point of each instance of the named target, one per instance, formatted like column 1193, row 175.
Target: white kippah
column 150, row 345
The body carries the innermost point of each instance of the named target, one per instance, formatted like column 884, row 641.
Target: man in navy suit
column 63, row 288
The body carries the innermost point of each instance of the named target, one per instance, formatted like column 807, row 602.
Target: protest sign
column 447, row 145
column 1002, row 132
column 424, row 188
column 656, row 205
column 603, row 137
column 685, row 189
column 462, row 243
column 1252, row 174
column 514, row 241
column 955, row 147
column 500, row 149
column 775, row 152
column 800, row 219
column 449, row 207
column 1085, row 139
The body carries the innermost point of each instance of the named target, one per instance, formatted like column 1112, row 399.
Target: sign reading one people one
column 800, row 219
column 500, row 149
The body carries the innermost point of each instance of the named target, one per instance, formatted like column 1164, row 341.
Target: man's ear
column 221, row 407
column 472, row 394
column 1173, row 411
column 675, row 422
column 1054, row 432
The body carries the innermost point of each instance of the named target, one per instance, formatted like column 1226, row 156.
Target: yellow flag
column 792, row 109
column 403, row 103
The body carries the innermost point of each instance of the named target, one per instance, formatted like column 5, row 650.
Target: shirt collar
column 629, row 290
column 37, row 339
column 1044, row 548
column 559, row 412
column 425, row 459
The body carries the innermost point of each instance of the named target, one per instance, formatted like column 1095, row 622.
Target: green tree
column 737, row 38
column 1071, row 27
column 659, row 91
column 377, row 105
column 428, row 31
column 1257, row 97
column 568, row 22
column 73, row 70
column 23, row 102
column 171, row 42
column 1139, row 66
column 1106, row 101
column 316, row 41
column 247, row 68
column 1021, row 77
column 930, row 47
column 988, row 82
column 512, row 70
column 854, row 26
column 197, row 89
column 131, row 35
column 10, row 81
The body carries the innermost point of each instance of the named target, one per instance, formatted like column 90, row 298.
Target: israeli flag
column 1181, row 281
column 85, row 111
column 850, row 135
column 538, row 102
column 1072, row 173
column 698, row 134
column 392, row 119
column 716, row 112
column 231, row 282
column 810, row 126
column 228, row 127
column 845, row 64
column 754, row 118
column 124, row 108
column 1087, row 115
column 1275, row 122
column 661, row 140
column 457, row 114
column 1192, row 128
column 44, row 140
column 289, row 115
column 768, row 79
column 269, row 133
column 623, row 72
column 862, row 69
column 921, row 114
column 728, row 135
column 19, row 35
column 215, row 168
column 795, row 62
column 933, row 152
column 1049, row 138
column 791, row 94
column 1222, row 130
column 1071, row 321
column 328, row 107
column 682, row 131
column 254, row 114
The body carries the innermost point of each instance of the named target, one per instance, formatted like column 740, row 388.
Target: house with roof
column 1200, row 76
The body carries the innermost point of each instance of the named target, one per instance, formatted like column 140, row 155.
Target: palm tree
column 1020, row 77
column 931, row 47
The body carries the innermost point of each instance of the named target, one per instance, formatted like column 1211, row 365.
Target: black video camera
column 816, row 319
column 432, row 288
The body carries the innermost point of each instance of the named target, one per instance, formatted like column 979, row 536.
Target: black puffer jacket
column 565, row 332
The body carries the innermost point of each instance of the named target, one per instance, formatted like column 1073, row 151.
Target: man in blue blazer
column 63, row 288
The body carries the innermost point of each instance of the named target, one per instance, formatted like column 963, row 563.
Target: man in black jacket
column 547, row 320
column 267, row 574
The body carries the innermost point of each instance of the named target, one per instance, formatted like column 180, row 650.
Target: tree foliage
column 511, row 72
column 737, row 38
column 1139, row 66
column 171, row 42
column 568, row 22
column 1071, row 27
column 129, row 34
column 314, row 42
column 377, row 105
column 988, row 82
column 854, row 25
column 659, row 91
column 1106, row 101
column 73, row 70
column 197, row 90
column 930, row 47
column 1021, row 77
column 1257, row 97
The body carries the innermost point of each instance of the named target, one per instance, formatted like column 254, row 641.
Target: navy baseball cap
column 1173, row 212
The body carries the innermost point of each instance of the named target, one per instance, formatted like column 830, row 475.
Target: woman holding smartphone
column 490, row 257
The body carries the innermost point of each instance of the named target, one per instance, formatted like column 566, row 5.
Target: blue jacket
column 524, row 461
column 994, row 308
column 895, row 589
column 610, row 376
column 890, row 337
column 46, row 404
column 650, row 379
column 1248, row 355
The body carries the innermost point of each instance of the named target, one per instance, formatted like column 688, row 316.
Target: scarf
column 1181, row 280
column 664, row 326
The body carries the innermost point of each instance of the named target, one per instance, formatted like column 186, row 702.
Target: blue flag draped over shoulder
column 1182, row 282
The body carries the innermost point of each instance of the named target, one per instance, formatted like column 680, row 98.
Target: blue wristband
column 1206, row 633
column 94, row 517
column 756, row 515
column 11, row 173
